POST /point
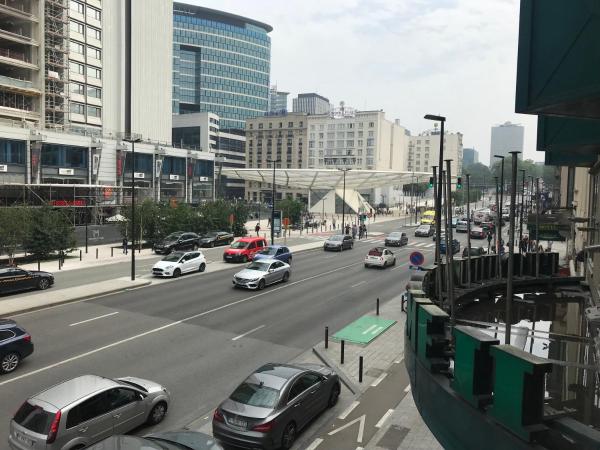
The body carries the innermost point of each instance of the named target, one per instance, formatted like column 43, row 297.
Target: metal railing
column 13, row 54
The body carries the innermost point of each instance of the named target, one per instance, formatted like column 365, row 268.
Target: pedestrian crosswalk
column 380, row 240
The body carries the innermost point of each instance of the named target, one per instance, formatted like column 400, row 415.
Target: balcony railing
column 15, row 82
column 14, row 54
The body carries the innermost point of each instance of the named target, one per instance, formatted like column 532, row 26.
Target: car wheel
column 289, row 436
column 261, row 285
column 157, row 414
column 43, row 284
column 244, row 259
column 176, row 273
column 333, row 396
column 286, row 276
column 202, row 267
column 289, row 261
column 394, row 262
column 9, row 362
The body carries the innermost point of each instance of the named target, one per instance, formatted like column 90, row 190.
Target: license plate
column 23, row 439
column 238, row 422
column 227, row 257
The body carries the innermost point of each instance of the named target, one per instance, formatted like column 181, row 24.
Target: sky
column 455, row 58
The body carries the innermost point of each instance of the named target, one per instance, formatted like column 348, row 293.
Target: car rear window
column 34, row 418
column 375, row 252
column 257, row 395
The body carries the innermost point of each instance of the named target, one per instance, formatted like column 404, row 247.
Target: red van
column 244, row 249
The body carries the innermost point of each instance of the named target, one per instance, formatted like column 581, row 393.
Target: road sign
column 286, row 221
column 416, row 258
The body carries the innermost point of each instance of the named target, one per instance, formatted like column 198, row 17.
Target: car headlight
column 169, row 267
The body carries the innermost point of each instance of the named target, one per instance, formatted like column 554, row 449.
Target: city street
column 197, row 335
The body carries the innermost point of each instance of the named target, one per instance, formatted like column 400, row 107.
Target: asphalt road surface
column 197, row 335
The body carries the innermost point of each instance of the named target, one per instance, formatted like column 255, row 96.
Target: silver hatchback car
column 261, row 273
column 81, row 411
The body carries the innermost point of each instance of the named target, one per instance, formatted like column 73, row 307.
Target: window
column 77, row 68
column 77, row 108
column 34, row 418
column 290, row 124
column 371, row 124
column 76, row 47
column 94, row 13
column 94, row 72
column 94, row 33
column 93, row 91
column 94, row 52
column 6, row 334
column 371, row 134
column 77, row 7
column 94, row 111
column 89, row 409
column 77, row 88
column 120, row 397
column 302, row 384
column 76, row 27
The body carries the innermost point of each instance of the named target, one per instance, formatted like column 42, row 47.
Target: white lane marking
column 430, row 245
column 314, row 444
column 412, row 243
column 94, row 318
column 361, row 427
column 359, row 448
column 358, row 284
column 407, row 389
column 377, row 330
column 169, row 325
column 379, row 379
column 401, row 266
column 247, row 333
column 368, row 330
column 384, row 418
column 420, row 244
column 348, row 410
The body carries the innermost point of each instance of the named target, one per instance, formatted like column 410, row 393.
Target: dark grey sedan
column 273, row 404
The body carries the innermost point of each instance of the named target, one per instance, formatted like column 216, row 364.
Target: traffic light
column 459, row 183
column 430, row 182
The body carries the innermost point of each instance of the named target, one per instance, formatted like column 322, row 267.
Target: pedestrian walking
column 125, row 245
column 347, row 229
column 257, row 228
column 365, row 231
column 354, row 231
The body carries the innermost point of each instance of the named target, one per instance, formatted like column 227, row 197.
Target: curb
column 347, row 382
column 75, row 299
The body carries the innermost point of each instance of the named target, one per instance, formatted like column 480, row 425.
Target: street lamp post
column 274, row 162
column 344, row 170
column 501, row 201
column 511, row 246
column 449, row 240
column 537, row 227
column 468, row 229
column 323, row 212
column 498, row 238
column 438, row 262
column 132, row 138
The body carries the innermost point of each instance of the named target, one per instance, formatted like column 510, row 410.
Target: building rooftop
column 219, row 16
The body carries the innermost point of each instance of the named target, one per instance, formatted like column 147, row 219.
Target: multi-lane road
column 197, row 335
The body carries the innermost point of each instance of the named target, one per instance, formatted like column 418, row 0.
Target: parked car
column 454, row 222
column 15, row 345
column 380, row 257
column 279, row 252
column 475, row 251
column 462, row 225
column 215, row 238
column 178, row 263
column 167, row 440
column 488, row 226
column 15, row 279
column 261, row 273
column 179, row 240
column 339, row 242
column 81, row 411
column 396, row 239
column 478, row 233
column 273, row 404
column 424, row 231
column 244, row 249
column 455, row 247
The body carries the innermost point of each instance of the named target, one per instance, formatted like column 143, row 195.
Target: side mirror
column 271, row 270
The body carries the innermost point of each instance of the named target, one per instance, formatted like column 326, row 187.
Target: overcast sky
column 456, row 58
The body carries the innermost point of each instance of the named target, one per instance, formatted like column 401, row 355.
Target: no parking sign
column 416, row 258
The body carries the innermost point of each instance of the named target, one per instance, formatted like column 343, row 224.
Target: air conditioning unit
column 3, row 168
column 139, row 175
column 62, row 171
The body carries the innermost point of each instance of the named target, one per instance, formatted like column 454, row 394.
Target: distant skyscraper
column 470, row 156
column 311, row 103
column 506, row 138
column 278, row 100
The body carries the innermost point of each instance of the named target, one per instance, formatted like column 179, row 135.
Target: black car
column 475, row 251
column 177, row 241
column 15, row 344
column 167, row 440
column 215, row 238
column 396, row 238
column 14, row 279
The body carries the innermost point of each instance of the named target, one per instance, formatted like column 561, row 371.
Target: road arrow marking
column 314, row 444
column 379, row 379
column 361, row 427
column 384, row 418
column 348, row 410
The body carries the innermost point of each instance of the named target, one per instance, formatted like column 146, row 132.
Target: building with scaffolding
column 56, row 74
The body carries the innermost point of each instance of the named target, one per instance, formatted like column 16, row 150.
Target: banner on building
column 36, row 153
column 95, row 163
column 191, row 163
column 120, row 163
column 158, row 164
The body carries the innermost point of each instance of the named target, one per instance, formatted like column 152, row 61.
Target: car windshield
column 34, row 418
column 338, row 237
column 211, row 234
column 260, row 266
column 269, row 251
column 257, row 395
column 424, row 228
column 173, row 257
column 173, row 237
column 239, row 244
column 395, row 234
column 375, row 252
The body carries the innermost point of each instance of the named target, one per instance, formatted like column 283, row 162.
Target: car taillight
column 27, row 338
column 53, row 428
column 264, row 427
column 218, row 416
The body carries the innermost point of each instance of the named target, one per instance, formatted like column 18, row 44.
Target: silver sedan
column 261, row 273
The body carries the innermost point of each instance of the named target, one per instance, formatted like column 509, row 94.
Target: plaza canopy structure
column 326, row 179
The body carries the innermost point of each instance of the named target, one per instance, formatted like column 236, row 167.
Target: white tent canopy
column 325, row 179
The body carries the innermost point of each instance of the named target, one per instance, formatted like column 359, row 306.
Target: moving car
column 214, row 238
column 167, row 440
column 279, row 252
column 475, row 251
column 81, row 411
column 179, row 240
column 396, row 239
column 488, row 226
column 177, row 263
column 15, row 345
column 478, row 233
column 339, row 242
column 244, row 249
column 428, row 217
column 462, row 225
column 455, row 247
column 14, row 279
column 424, row 231
column 261, row 273
column 273, row 404
column 380, row 257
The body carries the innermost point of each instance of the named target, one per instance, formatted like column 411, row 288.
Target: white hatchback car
column 380, row 257
column 177, row 263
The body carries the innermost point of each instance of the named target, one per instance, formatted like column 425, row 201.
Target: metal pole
column 438, row 207
column 498, row 271
column 133, row 210
column 416, row 200
column 438, row 261
column 344, row 203
column 537, row 227
column 521, row 223
column 86, row 225
column 511, row 247
column 449, row 240
column 273, row 203
column 412, row 192
column 468, row 230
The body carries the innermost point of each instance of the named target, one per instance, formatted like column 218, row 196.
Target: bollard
column 59, row 266
column 80, row 255
column 377, row 305
column 342, row 353
column 360, row 368
column 38, row 265
column 112, row 249
column 326, row 337
column 96, row 253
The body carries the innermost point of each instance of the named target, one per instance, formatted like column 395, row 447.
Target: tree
column 14, row 223
column 48, row 231
column 291, row 208
column 480, row 175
